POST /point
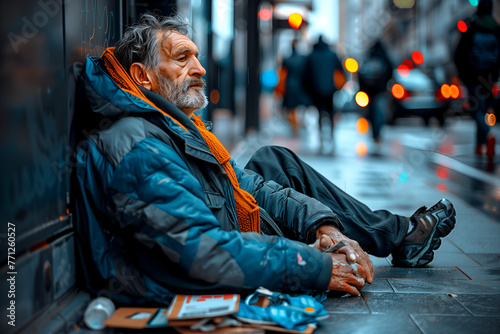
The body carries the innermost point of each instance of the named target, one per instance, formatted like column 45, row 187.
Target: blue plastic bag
column 293, row 313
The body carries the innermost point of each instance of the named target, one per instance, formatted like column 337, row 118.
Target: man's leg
column 378, row 232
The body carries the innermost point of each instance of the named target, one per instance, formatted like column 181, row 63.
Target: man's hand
column 327, row 236
column 345, row 276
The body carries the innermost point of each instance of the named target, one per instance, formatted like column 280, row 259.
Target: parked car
column 415, row 94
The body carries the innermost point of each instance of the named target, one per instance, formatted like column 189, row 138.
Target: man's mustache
column 193, row 82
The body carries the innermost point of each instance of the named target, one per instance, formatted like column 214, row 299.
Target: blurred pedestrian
column 477, row 59
column 293, row 92
column 374, row 73
column 321, row 67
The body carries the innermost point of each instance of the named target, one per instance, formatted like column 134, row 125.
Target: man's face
column 178, row 78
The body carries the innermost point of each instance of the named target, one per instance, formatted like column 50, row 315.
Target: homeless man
column 161, row 208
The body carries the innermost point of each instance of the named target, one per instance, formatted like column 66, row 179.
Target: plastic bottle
column 98, row 311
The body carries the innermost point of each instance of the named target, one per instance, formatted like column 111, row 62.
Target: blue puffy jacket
column 155, row 212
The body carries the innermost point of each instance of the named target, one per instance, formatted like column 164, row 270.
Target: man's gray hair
column 140, row 42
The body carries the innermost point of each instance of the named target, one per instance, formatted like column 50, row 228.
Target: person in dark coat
column 477, row 58
column 374, row 74
column 321, row 65
column 294, row 92
column 161, row 208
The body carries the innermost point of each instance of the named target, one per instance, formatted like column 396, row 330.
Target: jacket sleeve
column 160, row 208
column 299, row 213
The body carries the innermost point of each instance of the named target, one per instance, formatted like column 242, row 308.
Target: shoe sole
column 426, row 254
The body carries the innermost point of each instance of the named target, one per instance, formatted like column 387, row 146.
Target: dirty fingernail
column 352, row 256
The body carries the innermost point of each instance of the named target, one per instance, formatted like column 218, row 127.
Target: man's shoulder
column 121, row 137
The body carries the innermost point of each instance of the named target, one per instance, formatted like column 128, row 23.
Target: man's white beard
column 182, row 96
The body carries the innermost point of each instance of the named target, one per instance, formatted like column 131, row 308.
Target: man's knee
column 273, row 151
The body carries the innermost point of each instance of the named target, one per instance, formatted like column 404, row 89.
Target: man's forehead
column 174, row 42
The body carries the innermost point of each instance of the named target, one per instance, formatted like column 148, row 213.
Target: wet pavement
column 459, row 292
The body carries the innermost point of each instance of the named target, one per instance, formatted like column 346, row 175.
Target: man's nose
column 197, row 69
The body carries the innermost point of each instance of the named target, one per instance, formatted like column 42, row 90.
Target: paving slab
column 446, row 324
column 445, row 286
column 367, row 323
column 412, row 303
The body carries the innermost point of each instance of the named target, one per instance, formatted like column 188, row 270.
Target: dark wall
column 40, row 40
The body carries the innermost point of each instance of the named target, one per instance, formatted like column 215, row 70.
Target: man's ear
column 142, row 76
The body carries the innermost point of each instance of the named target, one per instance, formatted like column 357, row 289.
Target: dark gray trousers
column 378, row 232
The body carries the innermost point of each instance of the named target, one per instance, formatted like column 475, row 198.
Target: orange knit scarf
column 247, row 209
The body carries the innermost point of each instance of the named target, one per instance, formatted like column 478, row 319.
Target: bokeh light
column 474, row 2
column 404, row 3
column 442, row 173
column 398, row 91
column 295, row 20
column 495, row 90
column 269, row 79
column 403, row 177
column 403, row 70
column 214, row 96
column 362, row 125
column 447, row 147
column 462, row 26
column 339, row 79
column 408, row 63
column 265, row 14
column 442, row 187
column 490, row 119
column 445, row 91
column 361, row 148
column 351, row 65
column 454, row 91
column 417, row 57
column 361, row 99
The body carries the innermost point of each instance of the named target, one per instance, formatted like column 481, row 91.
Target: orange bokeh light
column 362, row 125
column 398, row 91
column 445, row 91
column 454, row 91
column 490, row 119
column 417, row 57
column 351, row 65
column 403, row 70
column 462, row 26
column 265, row 14
column 214, row 96
column 361, row 99
column 295, row 20
column 361, row 148
column 339, row 79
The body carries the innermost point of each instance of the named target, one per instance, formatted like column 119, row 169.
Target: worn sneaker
column 430, row 225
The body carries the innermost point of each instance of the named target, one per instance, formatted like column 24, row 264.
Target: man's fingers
column 368, row 266
column 325, row 242
column 349, row 253
column 369, row 278
column 351, row 289
column 360, row 271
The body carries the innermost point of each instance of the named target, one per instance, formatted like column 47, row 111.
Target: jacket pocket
column 215, row 201
column 217, row 204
